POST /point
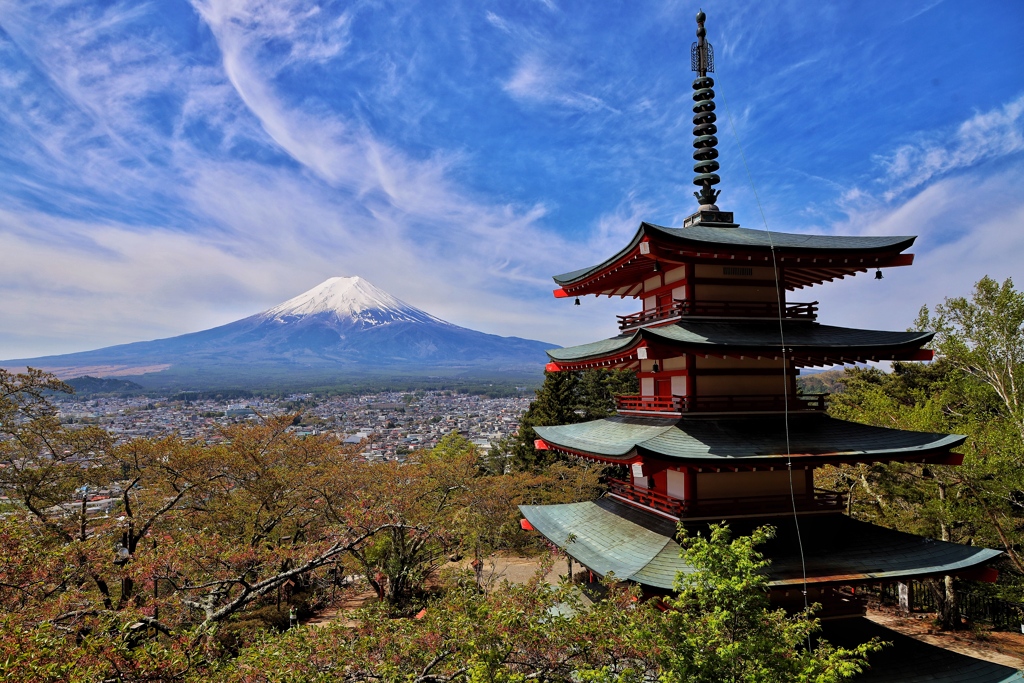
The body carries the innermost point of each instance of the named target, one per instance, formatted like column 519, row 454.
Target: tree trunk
column 945, row 595
column 947, row 603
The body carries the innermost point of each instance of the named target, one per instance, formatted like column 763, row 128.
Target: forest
column 212, row 554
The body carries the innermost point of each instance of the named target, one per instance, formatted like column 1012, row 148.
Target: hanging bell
column 657, row 267
column 878, row 274
column 577, row 302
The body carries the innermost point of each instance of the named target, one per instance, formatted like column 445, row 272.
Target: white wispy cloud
column 536, row 80
column 967, row 227
column 986, row 135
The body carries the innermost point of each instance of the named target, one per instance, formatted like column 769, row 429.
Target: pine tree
column 564, row 398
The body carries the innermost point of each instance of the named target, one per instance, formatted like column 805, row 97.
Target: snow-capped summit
column 349, row 299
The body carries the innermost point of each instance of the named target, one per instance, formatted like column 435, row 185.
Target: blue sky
column 170, row 166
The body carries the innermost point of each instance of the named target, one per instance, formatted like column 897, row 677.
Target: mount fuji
column 344, row 327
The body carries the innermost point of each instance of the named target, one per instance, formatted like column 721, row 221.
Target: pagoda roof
column 830, row 256
column 744, row 440
column 805, row 340
column 610, row 537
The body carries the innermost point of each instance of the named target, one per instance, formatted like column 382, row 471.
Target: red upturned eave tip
column 552, row 367
column 541, row 445
column 560, row 293
column 525, row 525
column 986, row 575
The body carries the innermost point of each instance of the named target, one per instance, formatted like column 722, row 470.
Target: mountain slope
column 343, row 324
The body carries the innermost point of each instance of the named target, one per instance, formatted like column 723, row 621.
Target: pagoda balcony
column 720, row 508
column 670, row 406
column 678, row 308
column 648, row 405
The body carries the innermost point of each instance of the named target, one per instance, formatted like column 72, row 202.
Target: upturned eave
column 747, row 442
column 608, row 537
column 806, row 344
column 803, row 260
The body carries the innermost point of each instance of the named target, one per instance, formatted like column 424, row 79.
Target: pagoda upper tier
column 806, row 344
column 802, row 260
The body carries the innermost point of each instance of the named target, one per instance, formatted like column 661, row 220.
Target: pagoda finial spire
column 702, row 60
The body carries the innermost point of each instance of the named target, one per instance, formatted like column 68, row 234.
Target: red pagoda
column 719, row 430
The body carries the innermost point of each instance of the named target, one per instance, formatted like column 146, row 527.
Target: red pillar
column 690, row 484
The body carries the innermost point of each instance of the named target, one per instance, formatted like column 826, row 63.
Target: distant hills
column 343, row 330
column 822, row 382
column 102, row 385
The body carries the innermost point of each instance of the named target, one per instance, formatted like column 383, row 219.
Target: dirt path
column 498, row 568
column 998, row 647
column 337, row 613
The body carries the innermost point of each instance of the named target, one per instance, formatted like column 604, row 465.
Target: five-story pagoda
column 719, row 430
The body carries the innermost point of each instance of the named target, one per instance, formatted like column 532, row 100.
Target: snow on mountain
column 349, row 299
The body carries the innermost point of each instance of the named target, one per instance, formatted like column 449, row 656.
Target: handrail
column 678, row 308
column 648, row 497
column 635, row 403
column 754, row 403
column 819, row 500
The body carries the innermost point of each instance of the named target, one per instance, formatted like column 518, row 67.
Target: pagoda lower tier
column 609, row 537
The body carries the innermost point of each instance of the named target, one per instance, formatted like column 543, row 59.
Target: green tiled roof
column 800, row 336
column 610, row 537
column 595, row 349
column 751, row 240
column 613, row 436
column 742, row 437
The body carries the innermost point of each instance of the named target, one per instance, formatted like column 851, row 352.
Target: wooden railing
column 717, row 309
column 646, row 497
column 753, row 403
column 650, row 404
column 677, row 405
column 668, row 311
column 819, row 501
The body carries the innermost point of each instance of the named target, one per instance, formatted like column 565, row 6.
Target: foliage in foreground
column 719, row 628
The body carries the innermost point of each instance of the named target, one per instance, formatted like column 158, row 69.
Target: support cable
column 782, row 341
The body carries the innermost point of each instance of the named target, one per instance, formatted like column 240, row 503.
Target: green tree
column 419, row 512
column 972, row 503
column 984, row 337
column 566, row 397
column 721, row 628
column 973, row 388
